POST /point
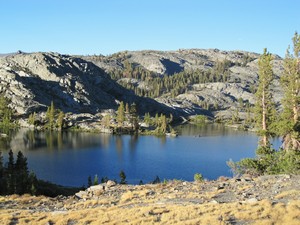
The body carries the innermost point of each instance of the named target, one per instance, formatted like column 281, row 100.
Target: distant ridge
column 95, row 83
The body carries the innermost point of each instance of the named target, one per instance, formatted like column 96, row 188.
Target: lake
column 68, row 158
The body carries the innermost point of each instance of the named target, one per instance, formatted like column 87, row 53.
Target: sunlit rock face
column 32, row 81
column 82, row 84
column 222, row 97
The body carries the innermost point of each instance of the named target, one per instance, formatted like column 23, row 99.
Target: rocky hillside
column 32, row 81
column 183, row 82
column 216, row 93
column 245, row 200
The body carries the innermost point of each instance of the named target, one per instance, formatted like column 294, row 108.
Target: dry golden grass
column 261, row 212
column 170, row 203
column 245, row 187
column 289, row 193
column 126, row 197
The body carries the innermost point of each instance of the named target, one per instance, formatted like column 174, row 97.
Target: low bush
column 198, row 177
column 268, row 161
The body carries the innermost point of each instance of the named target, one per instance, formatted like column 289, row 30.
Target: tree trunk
column 294, row 141
column 264, row 139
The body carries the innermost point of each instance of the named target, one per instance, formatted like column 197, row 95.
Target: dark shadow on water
column 32, row 140
column 199, row 130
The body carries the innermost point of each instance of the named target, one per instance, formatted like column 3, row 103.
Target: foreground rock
column 263, row 200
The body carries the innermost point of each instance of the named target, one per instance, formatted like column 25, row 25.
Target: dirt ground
column 261, row 200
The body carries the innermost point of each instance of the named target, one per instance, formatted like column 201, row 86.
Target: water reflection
column 133, row 142
column 4, row 143
column 68, row 158
column 119, row 143
column 105, row 139
column 25, row 139
column 5, row 138
column 163, row 140
column 206, row 130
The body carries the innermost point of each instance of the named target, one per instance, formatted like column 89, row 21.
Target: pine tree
column 147, row 118
column 121, row 114
column 90, row 183
column 7, row 118
column 156, row 119
column 11, row 181
column 122, row 177
column 5, row 112
column 3, row 106
column 21, row 171
column 106, row 121
column 264, row 106
column 50, row 116
column 290, row 125
column 96, row 180
column 60, row 120
column 32, row 118
column 163, row 124
column 134, row 117
column 156, row 180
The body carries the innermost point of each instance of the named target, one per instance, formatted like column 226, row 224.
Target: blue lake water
column 68, row 158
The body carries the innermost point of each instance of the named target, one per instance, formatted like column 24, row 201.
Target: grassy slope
column 277, row 202
column 262, row 212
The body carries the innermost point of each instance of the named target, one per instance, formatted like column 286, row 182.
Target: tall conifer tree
column 121, row 114
column 21, row 170
column 60, row 120
column 264, row 107
column 50, row 116
column 134, row 117
column 290, row 126
column 11, row 181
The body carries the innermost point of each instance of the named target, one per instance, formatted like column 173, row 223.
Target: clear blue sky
column 108, row 26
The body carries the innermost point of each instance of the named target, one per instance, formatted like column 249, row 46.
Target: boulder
column 96, row 188
column 110, row 183
column 81, row 195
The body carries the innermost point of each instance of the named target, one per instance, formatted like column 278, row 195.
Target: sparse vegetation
column 198, row 177
column 96, row 180
column 122, row 177
column 128, row 121
column 286, row 159
column 54, row 118
column 168, row 203
column 176, row 84
column 6, row 114
column 199, row 119
column 32, row 119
